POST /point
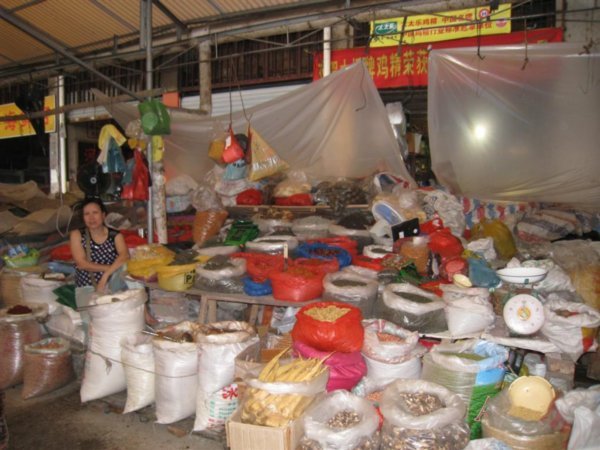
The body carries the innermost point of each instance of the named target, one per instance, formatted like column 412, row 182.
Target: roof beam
column 181, row 27
column 109, row 12
column 215, row 4
column 39, row 35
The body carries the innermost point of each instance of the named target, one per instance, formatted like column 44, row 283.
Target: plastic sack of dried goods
column 329, row 326
column 323, row 266
column 138, row 358
column 272, row 244
column 147, row 259
column 48, row 366
column 419, row 414
column 345, row 287
column 340, row 421
column 474, row 369
column 221, row 267
column 381, row 373
column 345, row 242
column 282, row 391
column 17, row 329
column 176, row 378
column 112, row 318
column 572, row 327
column 413, row 308
column 546, row 433
column 208, row 224
column 466, row 316
column 218, row 345
column 387, row 342
column 311, row 227
column 297, row 284
column 324, row 251
column 264, row 161
column 345, row 369
column 260, row 266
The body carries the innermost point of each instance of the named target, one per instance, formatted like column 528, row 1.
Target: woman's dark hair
column 86, row 201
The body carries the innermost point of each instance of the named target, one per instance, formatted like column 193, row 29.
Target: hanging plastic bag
column 264, row 161
column 329, row 326
column 140, row 180
column 217, row 143
column 233, row 150
column 235, row 170
column 155, row 117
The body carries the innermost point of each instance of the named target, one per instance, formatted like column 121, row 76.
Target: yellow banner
column 444, row 26
column 18, row 128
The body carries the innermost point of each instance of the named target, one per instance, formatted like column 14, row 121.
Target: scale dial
column 524, row 314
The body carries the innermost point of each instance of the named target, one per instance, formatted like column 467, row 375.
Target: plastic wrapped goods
column 467, row 316
column 176, row 378
column 208, row 224
column 422, row 415
column 218, row 345
column 311, row 227
column 324, row 251
column 297, row 284
column 48, row 366
column 16, row 331
column 572, row 327
column 345, row 369
column 36, row 289
column 221, row 274
column 272, row 244
column 357, row 291
column 413, row 308
column 387, row 342
column 138, row 358
column 340, row 421
column 113, row 318
column 547, row 433
column 329, row 326
column 473, row 369
column 282, row 392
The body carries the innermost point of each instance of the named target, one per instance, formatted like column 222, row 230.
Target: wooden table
column 209, row 299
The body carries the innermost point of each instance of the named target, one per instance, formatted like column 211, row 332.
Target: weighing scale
column 523, row 311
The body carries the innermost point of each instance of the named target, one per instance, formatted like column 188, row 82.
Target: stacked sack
column 332, row 332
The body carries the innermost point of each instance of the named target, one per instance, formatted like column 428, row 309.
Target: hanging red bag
column 329, row 327
column 233, row 150
column 138, row 188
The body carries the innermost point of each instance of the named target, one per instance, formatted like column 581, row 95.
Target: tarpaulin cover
column 333, row 127
column 506, row 129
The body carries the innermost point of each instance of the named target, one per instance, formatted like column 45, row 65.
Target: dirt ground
column 58, row 421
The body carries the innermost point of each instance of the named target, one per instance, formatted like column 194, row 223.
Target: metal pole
column 326, row 51
column 147, row 39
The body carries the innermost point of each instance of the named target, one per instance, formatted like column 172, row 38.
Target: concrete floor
column 58, row 421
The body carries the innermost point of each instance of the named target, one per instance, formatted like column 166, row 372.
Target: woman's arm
column 80, row 257
column 122, row 258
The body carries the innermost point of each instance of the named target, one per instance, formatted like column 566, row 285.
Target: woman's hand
column 101, row 287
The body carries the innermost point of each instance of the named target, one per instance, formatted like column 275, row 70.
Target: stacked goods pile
column 283, row 391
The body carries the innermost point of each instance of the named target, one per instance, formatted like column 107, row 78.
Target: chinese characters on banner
column 18, row 128
column 410, row 68
column 442, row 26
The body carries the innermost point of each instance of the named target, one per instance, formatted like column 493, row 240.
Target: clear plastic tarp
column 504, row 128
column 333, row 127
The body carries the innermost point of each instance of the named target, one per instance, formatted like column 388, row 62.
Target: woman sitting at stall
column 98, row 251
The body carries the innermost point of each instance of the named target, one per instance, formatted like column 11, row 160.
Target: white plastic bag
column 176, row 379
column 566, row 332
column 37, row 290
column 216, row 367
column 377, row 251
column 423, row 315
column 466, row 316
column 556, row 279
column 356, row 290
column 585, row 434
column 316, row 418
column 272, row 244
column 448, row 208
column 588, row 398
column 483, row 247
column 111, row 322
column 382, row 373
column 237, row 269
column 138, row 358
column 311, row 227
column 452, row 292
column 181, row 185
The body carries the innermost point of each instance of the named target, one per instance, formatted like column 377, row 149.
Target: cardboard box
column 243, row 436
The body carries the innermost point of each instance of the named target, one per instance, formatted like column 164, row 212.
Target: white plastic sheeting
column 501, row 129
column 333, row 127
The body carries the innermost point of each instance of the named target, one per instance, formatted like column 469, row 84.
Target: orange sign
column 18, row 128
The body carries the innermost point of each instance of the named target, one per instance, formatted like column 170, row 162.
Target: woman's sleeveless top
column 105, row 253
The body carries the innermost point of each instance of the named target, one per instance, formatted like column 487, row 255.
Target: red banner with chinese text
column 390, row 70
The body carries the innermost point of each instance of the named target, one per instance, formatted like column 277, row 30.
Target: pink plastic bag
column 345, row 369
